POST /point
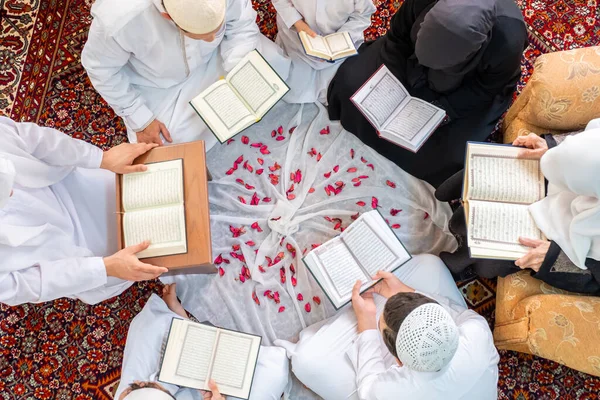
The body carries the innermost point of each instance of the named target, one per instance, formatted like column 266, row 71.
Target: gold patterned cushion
column 562, row 95
column 533, row 317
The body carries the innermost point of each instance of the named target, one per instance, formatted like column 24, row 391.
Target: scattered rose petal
column 245, row 139
column 276, row 297
column 426, row 215
column 337, row 226
column 266, row 199
column 249, row 187
column 357, row 184
column 390, row 184
column 230, row 141
column 255, row 199
column 292, row 129
column 281, row 309
column 327, row 174
column 317, row 300
column 261, row 268
column 394, row 212
column 239, row 160
column 352, row 153
column 280, row 138
column 242, row 278
column 268, row 294
column 371, row 166
column 363, row 177
column 307, row 307
column 221, row 271
column 242, row 200
column 235, row 247
column 273, row 133
column 363, row 160
column 396, row 226
column 240, row 181
column 264, row 150
column 355, row 216
column 255, row 298
column 351, row 170
column 256, row 145
column 300, row 297
column 319, row 157
column 374, row 202
column 336, row 168
column 274, row 167
column 360, row 203
column 292, row 269
column 280, row 129
column 256, row 227
column 230, row 171
column 259, row 171
column 294, row 281
column 260, row 161
column 311, row 190
column 291, row 196
column 237, row 231
column 219, row 259
column 250, row 243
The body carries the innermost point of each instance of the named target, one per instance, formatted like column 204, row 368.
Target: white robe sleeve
column 51, row 280
column 367, row 360
column 241, row 33
column 359, row 20
column 288, row 13
column 53, row 147
column 104, row 59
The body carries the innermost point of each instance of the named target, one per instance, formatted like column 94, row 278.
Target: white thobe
column 336, row 362
column 54, row 230
column 309, row 76
column 147, row 337
column 146, row 69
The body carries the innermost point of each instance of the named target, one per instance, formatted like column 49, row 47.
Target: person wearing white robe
column 147, row 336
column 57, row 221
column 147, row 67
column 310, row 76
column 345, row 357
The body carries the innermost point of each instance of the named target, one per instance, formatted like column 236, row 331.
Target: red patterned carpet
column 68, row 350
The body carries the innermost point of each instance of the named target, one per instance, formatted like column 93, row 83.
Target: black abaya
column 473, row 108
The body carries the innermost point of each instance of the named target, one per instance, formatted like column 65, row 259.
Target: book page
column 381, row 95
column 232, row 359
column 495, row 174
column 257, row 83
column 316, row 45
column 499, row 225
column 372, row 253
column 411, row 121
column 160, row 185
column 340, row 43
column 196, row 353
column 340, row 266
column 163, row 227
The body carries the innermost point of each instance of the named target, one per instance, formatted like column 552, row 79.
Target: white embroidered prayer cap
column 197, row 16
column 7, row 180
column 427, row 338
column 148, row 394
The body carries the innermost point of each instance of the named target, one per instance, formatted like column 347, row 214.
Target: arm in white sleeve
column 288, row 13
column 51, row 146
column 103, row 59
column 51, row 280
column 359, row 20
column 241, row 33
column 367, row 360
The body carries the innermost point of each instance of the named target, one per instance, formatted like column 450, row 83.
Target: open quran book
column 403, row 120
column 331, row 47
column 368, row 245
column 241, row 99
column 498, row 188
column 154, row 210
column 196, row 353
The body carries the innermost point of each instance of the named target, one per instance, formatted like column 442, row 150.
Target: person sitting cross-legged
column 423, row 345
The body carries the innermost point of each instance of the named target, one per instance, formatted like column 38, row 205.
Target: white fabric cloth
column 54, row 229
column 7, row 180
column 145, row 68
column 310, row 77
column 333, row 360
column 195, row 16
column 570, row 213
column 147, row 337
column 283, row 225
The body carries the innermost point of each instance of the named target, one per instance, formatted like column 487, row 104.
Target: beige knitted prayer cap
column 197, row 16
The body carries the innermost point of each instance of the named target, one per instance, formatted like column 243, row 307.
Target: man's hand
column 120, row 158
column 214, row 393
column 302, row 26
column 152, row 133
column 535, row 145
column 125, row 265
column 364, row 308
column 390, row 285
column 535, row 257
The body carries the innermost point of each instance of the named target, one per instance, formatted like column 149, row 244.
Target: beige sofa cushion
column 562, row 95
column 533, row 317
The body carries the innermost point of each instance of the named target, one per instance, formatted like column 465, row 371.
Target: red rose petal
column 307, row 307
column 281, row 309
column 300, row 297
column 360, row 203
column 394, row 212
column 221, row 271
column 317, row 300
column 390, row 184
column 245, row 139
column 351, row 169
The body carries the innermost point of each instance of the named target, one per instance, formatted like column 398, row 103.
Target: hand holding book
column 214, row 393
column 302, row 26
column 535, row 257
column 389, row 285
column 535, row 145
column 364, row 308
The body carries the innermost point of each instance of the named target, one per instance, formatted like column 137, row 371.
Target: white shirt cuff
column 140, row 119
column 95, row 158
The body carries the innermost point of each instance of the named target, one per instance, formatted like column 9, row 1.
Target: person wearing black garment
column 461, row 55
column 569, row 214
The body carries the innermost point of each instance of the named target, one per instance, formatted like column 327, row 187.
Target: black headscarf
column 450, row 39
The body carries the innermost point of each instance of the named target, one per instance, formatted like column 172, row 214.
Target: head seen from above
column 146, row 391
column 197, row 19
column 418, row 332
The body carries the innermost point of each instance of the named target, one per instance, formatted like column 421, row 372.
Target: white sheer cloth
column 273, row 196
